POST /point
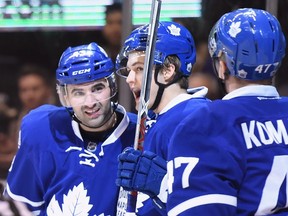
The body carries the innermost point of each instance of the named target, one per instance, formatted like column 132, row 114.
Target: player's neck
column 232, row 83
column 169, row 94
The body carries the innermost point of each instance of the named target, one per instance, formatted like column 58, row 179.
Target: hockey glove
column 140, row 171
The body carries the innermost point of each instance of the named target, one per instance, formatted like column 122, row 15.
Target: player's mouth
column 136, row 94
column 93, row 113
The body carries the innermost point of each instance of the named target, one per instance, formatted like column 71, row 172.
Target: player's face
column 90, row 102
column 135, row 67
column 113, row 28
column 33, row 91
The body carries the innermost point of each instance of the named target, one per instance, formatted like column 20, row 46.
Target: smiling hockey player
column 67, row 160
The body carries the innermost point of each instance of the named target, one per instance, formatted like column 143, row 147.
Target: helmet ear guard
column 251, row 41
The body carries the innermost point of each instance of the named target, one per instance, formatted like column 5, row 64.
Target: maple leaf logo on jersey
column 234, row 29
column 174, row 30
column 76, row 202
column 242, row 73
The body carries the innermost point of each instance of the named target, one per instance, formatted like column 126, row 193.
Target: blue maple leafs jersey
column 160, row 131
column 231, row 157
column 55, row 175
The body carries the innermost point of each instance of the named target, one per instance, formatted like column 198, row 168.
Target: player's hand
column 140, row 171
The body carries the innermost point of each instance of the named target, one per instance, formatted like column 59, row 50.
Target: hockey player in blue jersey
column 67, row 160
column 175, row 54
column 231, row 157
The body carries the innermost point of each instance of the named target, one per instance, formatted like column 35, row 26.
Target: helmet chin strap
column 162, row 87
column 75, row 118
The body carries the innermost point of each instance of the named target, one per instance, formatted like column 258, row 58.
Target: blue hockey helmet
column 83, row 64
column 252, row 42
column 172, row 39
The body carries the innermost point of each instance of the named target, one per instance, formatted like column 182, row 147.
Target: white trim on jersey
column 201, row 92
column 116, row 133
column 203, row 200
column 253, row 90
column 22, row 199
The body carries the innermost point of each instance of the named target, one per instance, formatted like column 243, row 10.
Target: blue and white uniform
column 55, row 174
column 159, row 134
column 231, row 157
column 174, row 44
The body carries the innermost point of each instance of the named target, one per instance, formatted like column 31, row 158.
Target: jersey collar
column 199, row 92
column 114, row 136
column 253, row 90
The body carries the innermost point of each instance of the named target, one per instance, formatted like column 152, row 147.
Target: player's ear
column 222, row 70
column 61, row 91
column 169, row 72
column 66, row 101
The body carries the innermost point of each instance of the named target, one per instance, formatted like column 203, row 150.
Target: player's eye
column 77, row 93
column 98, row 88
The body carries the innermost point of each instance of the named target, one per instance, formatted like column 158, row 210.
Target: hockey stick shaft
column 145, row 89
column 147, row 75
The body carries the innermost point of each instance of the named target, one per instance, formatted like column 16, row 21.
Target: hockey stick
column 145, row 91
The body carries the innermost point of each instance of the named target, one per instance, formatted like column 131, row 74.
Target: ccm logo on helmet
column 81, row 71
